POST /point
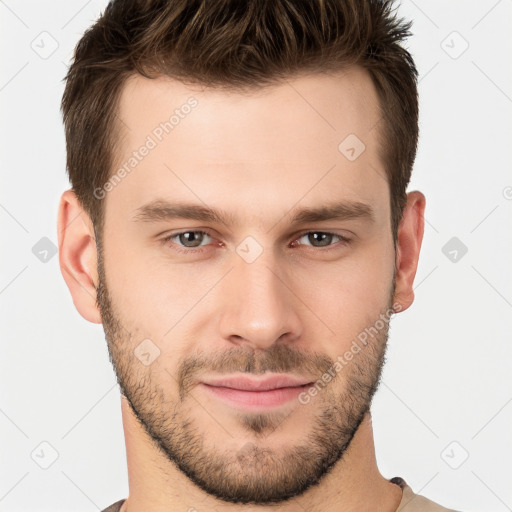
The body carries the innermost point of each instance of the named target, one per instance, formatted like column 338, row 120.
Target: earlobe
column 410, row 236
column 78, row 256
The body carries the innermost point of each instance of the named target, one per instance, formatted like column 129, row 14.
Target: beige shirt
column 410, row 502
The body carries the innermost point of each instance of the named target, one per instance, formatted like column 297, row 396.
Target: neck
column 354, row 483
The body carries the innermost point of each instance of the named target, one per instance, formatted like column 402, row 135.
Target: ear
column 410, row 236
column 77, row 255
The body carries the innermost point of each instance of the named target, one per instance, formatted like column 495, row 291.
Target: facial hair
column 255, row 474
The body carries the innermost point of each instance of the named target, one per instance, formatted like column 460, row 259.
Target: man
column 239, row 223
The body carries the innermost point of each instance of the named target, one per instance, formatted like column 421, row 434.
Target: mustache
column 277, row 359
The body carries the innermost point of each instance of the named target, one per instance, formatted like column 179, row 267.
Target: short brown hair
column 235, row 45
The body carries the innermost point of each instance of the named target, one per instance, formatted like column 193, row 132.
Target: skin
column 258, row 156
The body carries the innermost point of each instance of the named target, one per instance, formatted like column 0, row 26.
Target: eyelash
column 344, row 241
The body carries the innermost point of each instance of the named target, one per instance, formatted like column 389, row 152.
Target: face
column 246, row 276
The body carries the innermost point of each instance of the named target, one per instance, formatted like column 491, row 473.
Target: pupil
column 322, row 238
column 185, row 237
column 326, row 238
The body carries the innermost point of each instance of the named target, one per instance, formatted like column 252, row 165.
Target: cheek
column 154, row 294
column 351, row 292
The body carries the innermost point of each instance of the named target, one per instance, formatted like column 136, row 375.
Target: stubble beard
column 254, row 474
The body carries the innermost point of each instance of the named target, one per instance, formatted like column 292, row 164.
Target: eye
column 192, row 241
column 187, row 239
column 320, row 239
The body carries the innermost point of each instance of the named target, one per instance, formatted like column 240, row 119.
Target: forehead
column 313, row 135
column 326, row 105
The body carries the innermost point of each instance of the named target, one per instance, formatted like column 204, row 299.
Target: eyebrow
column 161, row 210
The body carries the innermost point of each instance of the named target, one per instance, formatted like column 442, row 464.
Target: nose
column 260, row 307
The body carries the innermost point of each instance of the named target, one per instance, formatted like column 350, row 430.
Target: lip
column 246, row 383
column 256, row 392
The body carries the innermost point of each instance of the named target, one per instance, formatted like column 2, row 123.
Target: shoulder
column 115, row 507
column 412, row 502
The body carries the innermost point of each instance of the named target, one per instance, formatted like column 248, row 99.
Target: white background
column 448, row 375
